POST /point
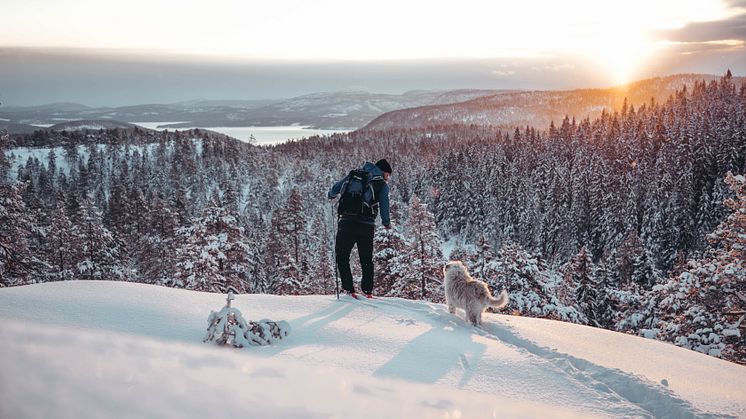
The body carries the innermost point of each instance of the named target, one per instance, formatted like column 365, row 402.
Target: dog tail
column 501, row 300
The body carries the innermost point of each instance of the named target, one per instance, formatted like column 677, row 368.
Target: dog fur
column 472, row 295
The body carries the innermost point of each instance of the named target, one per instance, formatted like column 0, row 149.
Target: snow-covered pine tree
column 284, row 254
column 157, row 245
column 63, row 242
column 4, row 162
column 580, row 271
column 530, row 285
column 212, row 256
column 98, row 256
column 392, row 263
column 228, row 327
column 634, row 263
column 484, row 256
column 466, row 253
column 16, row 260
column 704, row 308
column 425, row 252
column 604, row 306
column 320, row 278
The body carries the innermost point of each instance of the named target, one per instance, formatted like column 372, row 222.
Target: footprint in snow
column 464, row 361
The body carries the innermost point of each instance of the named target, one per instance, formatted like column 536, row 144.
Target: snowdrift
column 114, row 349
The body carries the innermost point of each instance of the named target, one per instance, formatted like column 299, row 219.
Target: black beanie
column 384, row 166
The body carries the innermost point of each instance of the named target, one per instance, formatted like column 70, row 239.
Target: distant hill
column 351, row 110
column 51, row 107
column 14, row 128
column 80, row 125
column 90, row 125
column 538, row 108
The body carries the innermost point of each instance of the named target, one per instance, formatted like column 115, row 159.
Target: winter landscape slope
column 115, row 349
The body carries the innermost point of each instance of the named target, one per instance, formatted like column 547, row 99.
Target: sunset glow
column 617, row 38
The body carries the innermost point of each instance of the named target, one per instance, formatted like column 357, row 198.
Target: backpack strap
column 345, row 182
column 376, row 186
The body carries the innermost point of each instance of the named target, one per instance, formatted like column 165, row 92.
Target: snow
column 649, row 333
column 19, row 155
column 262, row 134
column 85, row 127
column 447, row 246
column 731, row 332
column 116, row 349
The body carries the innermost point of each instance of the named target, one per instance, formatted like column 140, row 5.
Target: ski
column 360, row 299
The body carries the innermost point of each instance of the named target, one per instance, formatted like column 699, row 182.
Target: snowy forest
column 634, row 221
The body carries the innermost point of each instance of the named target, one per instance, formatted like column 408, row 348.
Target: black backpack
column 359, row 196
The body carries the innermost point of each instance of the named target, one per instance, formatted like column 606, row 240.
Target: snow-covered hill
column 114, row 349
column 351, row 109
column 539, row 108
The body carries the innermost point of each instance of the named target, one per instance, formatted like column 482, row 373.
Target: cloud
column 725, row 46
column 556, row 68
column 733, row 28
column 736, row 3
column 503, row 73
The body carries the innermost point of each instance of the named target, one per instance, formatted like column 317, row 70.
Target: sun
column 624, row 57
column 621, row 51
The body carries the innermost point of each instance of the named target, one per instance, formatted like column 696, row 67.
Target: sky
column 143, row 51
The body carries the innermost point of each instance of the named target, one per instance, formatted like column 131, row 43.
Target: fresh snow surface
column 262, row 135
column 89, row 349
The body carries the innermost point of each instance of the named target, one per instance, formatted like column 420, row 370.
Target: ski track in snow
column 391, row 338
column 613, row 386
column 656, row 400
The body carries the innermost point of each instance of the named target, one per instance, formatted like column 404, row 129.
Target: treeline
column 589, row 221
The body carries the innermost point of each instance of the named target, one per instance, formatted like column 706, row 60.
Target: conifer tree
column 702, row 308
column 63, row 242
column 425, row 251
column 98, row 254
column 213, row 256
column 157, row 245
column 580, row 272
column 16, row 260
column 392, row 263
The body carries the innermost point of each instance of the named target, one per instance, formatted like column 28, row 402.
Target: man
column 359, row 228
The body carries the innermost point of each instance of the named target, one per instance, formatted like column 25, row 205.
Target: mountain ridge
column 541, row 107
column 342, row 109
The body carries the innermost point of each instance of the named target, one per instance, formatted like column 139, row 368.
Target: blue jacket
column 383, row 196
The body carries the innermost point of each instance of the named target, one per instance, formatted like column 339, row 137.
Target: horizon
column 531, row 85
column 397, row 93
column 93, row 55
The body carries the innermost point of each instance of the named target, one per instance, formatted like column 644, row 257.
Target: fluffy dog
column 469, row 294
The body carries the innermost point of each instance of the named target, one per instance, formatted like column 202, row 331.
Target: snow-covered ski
column 359, row 298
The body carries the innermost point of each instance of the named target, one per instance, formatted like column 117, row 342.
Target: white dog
column 469, row 294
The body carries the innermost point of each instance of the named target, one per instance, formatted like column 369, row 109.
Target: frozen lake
column 263, row 135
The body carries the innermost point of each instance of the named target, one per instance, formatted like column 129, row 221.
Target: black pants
column 350, row 233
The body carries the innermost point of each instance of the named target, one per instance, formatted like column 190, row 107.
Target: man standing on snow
column 362, row 193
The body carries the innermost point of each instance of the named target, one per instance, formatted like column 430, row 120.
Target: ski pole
column 336, row 269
